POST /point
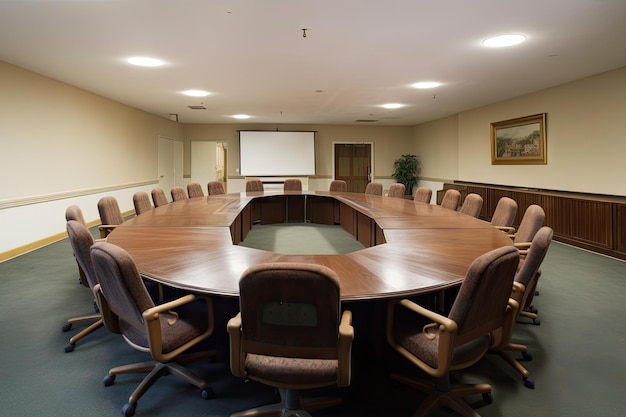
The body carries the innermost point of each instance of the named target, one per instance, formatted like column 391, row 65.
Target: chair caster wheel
column 129, row 409
column 69, row 347
column 108, row 380
column 529, row 383
column 527, row 356
column 207, row 393
column 66, row 327
column 487, row 398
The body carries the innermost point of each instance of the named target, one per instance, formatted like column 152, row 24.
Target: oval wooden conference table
column 411, row 248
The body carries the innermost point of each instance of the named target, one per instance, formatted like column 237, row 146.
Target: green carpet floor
column 579, row 349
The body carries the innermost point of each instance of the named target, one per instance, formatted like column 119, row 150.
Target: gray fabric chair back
column 194, row 190
column 451, row 199
column 82, row 240
column 532, row 221
column 158, row 197
column 505, row 212
column 292, row 184
column 121, row 284
column 215, row 188
column 110, row 211
column 536, row 254
column 396, row 190
column 483, row 296
column 338, row 186
column 374, row 188
column 179, row 194
column 472, row 205
column 423, row 195
column 254, row 185
column 290, row 310
column 75, row 213
column 141, row 201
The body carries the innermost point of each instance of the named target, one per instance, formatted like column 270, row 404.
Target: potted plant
column 405, row 170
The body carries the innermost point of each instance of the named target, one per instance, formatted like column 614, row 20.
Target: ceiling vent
column 365, row 121
column 197, row 107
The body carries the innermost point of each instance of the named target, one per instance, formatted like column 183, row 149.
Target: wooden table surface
column 188, row 245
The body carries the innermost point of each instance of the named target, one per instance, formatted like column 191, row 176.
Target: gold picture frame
column 520, row 141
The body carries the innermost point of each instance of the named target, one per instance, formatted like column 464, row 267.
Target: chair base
column 526, row 379
column 290, row 406
column 452, row 399
column 156, row 370
column 93, row 327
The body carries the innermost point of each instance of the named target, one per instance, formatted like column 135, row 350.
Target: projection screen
column 276, row 153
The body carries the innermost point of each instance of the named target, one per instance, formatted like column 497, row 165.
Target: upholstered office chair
column 254, row 185
column 504, row 214
column 339, row 186
column 178, row 194
column 291, row 334
column 194, row 190
column 532, row 221
column 215, row 188
column 423, row 195
column 166, row 331
column 523, row 288
column 158, row 197
column 374, row 188
column 437, row 344
column 292, row 184
column 451, row 199
column 141, row 201
column 472, row 205
column 396, row 190
column 110, row 215
column 74, row 212
column 81, row 241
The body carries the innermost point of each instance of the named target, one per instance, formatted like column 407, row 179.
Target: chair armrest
column 447, row 335
column 109, row 318
column 153, row 326
column 346, row 336
column 506, row 229
column 237, row 359
column 105, row 229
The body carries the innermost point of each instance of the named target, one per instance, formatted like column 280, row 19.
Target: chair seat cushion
column 410, row 336
column 191, row 322
column 294, row 372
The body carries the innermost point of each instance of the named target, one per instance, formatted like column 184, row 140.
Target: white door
column 170, row 164
column 203, row 162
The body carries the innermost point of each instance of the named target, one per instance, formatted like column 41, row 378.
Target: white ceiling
column 358, row 54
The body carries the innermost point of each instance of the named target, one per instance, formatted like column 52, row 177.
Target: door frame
column 345, row 142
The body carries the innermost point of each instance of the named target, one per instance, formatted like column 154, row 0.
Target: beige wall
column 57, row 138
column 586, row 139
column 389, row 143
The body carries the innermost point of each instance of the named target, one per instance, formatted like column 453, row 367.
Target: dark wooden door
column 353, row 165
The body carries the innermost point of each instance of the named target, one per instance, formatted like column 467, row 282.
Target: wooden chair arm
column 447, row 335
column 153, row 326
column 105, row 229
column 506, row 229
column 109, row 318
column 346, row 336
column 237, row 359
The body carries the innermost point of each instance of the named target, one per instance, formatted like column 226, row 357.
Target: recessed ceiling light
column 196, row 93
column 426, row 84
column 241, row 116
column 392, row 105
column 503, row 40
column 145, row 62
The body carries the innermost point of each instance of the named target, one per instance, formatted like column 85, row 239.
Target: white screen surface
column 269, row 153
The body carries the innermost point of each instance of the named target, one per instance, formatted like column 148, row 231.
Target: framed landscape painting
column 519, row 141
